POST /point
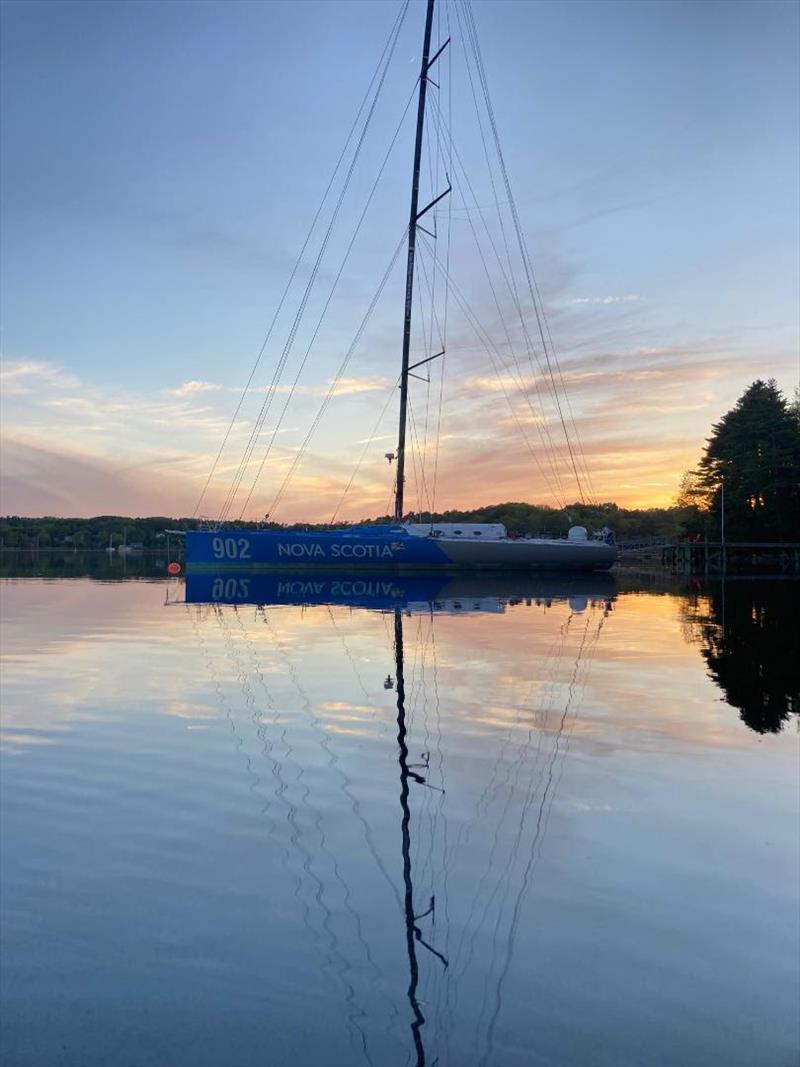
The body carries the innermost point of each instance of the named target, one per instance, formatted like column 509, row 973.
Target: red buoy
column 174, row 568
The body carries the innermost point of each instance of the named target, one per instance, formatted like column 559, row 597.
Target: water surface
column 546, row 825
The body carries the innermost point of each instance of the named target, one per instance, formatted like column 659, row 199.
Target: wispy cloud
column 190, row 387
column 349, row 386
column 627, row 298
column 22, row 377
column 641, row 410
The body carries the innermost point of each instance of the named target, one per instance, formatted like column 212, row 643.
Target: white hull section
column 528, row 554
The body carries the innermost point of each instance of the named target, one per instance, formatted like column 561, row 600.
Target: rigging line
column 441, row 799
column 395, row 28
column 491, row 180
column 433, row 184
column 447, row 260
column 593, row 497
column 522, row 827
column 513, row 286
column 508, row 279
column 392, row 492
column 346, row 969
column 472, row 31
column 366, row 448
column 498, row 367
column 554, row 480
column 346, row 784
column 489, row 348
column 528, row 263
column 543, row 428
column 434, row 319
column 342, row 367
column 296, row 837
column 418, row 462
column 414, row 457
column 270, row 396
column 506, row 777
column 426, row 871
column 327, row 303
column 427, row 348
column 350, row 657
column 515, row 916
column 530, row 793
column 270, row 393
column 328, row 300
column 435, row 220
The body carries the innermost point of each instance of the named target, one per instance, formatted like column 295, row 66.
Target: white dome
column 577, row 533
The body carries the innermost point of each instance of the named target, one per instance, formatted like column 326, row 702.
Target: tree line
column 519, row 518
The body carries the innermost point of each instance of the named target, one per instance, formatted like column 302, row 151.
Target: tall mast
column 412, row 244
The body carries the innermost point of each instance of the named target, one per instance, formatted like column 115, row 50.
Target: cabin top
column 488, row 530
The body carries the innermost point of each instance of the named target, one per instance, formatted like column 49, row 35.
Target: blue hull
column 389, row 548
column 382, row 547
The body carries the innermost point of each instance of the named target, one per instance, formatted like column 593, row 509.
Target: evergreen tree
column 754, row 453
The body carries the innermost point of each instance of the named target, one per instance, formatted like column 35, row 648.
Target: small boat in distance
column 402, row 544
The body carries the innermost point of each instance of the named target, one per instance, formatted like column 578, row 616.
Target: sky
column 161, row 166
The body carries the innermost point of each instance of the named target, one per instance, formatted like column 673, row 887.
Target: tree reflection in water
column 750, row 633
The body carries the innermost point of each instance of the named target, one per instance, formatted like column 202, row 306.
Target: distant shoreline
column 519, row 518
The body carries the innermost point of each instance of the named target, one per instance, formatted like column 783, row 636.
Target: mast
column 412, row 244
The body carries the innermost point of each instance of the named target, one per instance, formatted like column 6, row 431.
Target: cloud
column 23, row 377
column 46, row 481
column 349, row 386
column 194, row 387
column 628, row 298
column 641, row 407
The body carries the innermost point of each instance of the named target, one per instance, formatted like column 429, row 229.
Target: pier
column 717, row 557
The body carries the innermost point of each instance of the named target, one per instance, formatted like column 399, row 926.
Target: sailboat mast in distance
column 412, row 244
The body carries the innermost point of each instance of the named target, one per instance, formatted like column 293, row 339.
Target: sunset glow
column 150, row 223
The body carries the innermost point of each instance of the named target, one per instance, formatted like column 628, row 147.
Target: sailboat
column 402, row 544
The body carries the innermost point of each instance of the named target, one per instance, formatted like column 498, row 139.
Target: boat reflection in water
column 392, row 591
column 402, row 597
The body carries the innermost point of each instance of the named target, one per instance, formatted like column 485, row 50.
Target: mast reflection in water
column 413, row 932
column 404, row 597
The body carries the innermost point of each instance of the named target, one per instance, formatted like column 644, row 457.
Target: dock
column 718, row 557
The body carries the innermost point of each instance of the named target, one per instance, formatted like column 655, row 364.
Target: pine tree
column 754, row 451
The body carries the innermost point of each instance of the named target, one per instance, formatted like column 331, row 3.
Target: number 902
column 230, row 548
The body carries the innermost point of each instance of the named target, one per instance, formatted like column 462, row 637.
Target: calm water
column 534, row 825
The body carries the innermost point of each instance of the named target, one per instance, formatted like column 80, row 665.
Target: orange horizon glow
column 74, row 451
